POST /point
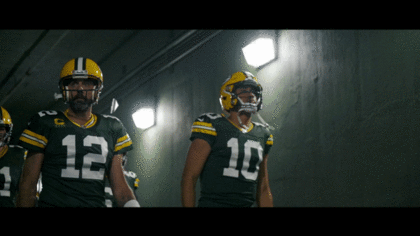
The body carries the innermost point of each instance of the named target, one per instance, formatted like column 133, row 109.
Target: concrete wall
column 344, row 105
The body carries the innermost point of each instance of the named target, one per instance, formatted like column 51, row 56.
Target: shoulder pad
column 49, row 113
column 204, row 124
column 208, row 117
column 258, row 124
column 15, row 146
column 109, row 117
column 43, row 116
column 265, row 126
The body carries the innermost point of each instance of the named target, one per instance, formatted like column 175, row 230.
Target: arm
column 119, row 186
column 264, row 197
column 30, row 175
column 196, row 158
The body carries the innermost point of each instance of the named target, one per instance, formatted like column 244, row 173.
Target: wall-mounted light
column 259, row 52
column 144, row 118
column 114, row 105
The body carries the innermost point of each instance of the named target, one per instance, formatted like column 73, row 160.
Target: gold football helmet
column 81, row 68
column 229, row 100
column 6, row 121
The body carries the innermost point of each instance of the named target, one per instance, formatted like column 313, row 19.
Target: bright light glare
column 144, row 118
column 259, row 52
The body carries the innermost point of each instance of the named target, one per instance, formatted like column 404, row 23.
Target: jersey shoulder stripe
column 33, row 139
column 33, row 135
column 123, row 139
column 123, row 142
column 204, row 127
column 204, row 124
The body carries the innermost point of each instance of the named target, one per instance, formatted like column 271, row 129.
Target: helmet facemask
column 253, row 103
column 82, row 93
column 251, row 106
column 5, row 137
column 247, row 86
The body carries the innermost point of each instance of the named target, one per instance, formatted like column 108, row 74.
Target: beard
column 82, row 105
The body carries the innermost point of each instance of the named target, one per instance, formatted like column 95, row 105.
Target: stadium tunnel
column 344, row 104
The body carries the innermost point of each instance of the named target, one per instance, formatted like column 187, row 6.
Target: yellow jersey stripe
column 36, row 137
column 32, row 142
column 198, row 123
column 204, row 131
column 123, row 138
column 123, row 142
column 126, row 144
column 90, row 123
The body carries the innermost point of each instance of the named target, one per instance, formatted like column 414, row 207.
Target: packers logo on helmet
column 229, row 100
column 6, row 121
column 81, row 68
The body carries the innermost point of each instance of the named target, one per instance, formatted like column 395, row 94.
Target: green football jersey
column 76, row 158
column 11, row 163
column 230, row 174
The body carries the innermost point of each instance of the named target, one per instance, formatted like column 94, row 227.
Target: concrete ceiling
column 31, row 60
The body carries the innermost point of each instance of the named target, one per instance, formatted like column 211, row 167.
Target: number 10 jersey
column 230, row 174
column 76, row 158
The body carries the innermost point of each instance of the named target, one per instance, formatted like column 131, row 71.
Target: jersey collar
column 90, row 123
column 241, row 129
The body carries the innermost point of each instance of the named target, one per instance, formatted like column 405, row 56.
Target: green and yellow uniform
column 230, row 174
column 11, row 163
column 76, row 158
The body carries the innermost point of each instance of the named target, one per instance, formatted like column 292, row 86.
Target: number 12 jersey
column 76, row 158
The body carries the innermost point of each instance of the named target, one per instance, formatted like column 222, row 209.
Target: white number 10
column 70, row 171
column 231, row 171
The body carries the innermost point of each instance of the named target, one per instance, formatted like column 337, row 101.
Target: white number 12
column 231, row 171
column 70, row 171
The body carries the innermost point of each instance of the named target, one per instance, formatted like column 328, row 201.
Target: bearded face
column 81, row 94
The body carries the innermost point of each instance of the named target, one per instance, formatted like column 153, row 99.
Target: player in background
column 12, row 158
column 230, row 154
column 132, row 181
column 75, row 149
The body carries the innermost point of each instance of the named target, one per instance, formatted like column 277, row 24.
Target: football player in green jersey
column 11, row 162
column 229, row 154
column 75, row 149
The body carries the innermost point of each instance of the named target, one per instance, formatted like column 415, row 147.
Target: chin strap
column 245, row 128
